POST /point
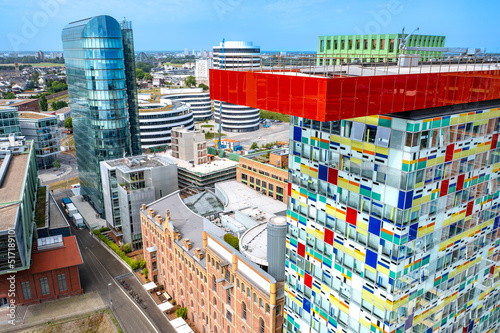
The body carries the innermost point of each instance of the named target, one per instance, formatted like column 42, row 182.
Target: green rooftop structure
column 376, row 48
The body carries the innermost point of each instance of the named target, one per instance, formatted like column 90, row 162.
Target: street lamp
column 109, row 294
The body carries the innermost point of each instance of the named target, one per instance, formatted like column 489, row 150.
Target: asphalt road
column 99, row 269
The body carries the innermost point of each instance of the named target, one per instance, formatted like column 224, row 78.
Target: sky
column 274, row 25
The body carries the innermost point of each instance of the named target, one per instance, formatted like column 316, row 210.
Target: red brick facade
column 191, row 283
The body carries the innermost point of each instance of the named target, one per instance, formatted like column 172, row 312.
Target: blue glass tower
column 100, row 68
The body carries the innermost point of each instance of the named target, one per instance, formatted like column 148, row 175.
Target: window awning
column 150, row 286
column 165, row 306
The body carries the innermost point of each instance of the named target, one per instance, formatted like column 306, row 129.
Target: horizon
column 273, row 25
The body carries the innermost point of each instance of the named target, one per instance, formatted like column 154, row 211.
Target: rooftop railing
column 359, row 64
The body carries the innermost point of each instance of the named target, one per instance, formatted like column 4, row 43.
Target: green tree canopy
column 58, row 105
column 148, row 77
column 44, row 106
column 204, row 86
column 68, row 123
column 146, row 68
column 139, row 73
column 254, row 145
column 9, row 95
column 190, row 81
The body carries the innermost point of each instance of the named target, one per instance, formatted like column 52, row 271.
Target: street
column 101, row 268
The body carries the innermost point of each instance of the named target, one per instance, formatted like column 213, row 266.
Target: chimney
column 143, row 207
column 167, row 215
column 159, row 219
column 187, row 243
column 151, row 212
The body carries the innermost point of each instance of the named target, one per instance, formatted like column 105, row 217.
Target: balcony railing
column 362, row 64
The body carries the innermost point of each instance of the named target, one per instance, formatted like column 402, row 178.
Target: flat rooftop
column 66, row 256
column 34, row 115
column 214, row 166
column 10, row 192
column 142, row 162
column 63, row 110
column 240, row 196
column 15, row 102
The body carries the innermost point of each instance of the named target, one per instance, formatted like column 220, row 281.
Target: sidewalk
column 56, row 310
column 88, row 213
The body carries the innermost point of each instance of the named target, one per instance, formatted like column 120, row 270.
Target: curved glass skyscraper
column 100, row 68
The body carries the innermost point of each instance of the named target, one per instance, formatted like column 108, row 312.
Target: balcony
column 343, row 88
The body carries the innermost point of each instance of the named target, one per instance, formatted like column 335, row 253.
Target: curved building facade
column 100, row 67
column 236, row 54
column 157, row 120
column 198, row 100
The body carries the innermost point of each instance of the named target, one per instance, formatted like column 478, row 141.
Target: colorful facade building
column 223, row 289
column 266, row 172
column 393, row 209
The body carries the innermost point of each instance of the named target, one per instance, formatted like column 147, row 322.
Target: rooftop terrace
column 334, row 88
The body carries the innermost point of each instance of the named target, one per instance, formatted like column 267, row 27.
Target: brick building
column 266, row 172
column 223, row 290
column 22, row 104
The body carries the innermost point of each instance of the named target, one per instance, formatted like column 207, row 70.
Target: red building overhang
column 335, row 98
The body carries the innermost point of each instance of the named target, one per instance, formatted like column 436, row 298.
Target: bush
column 142, row 263
column 232, row 240
column 254, row 145
column 160, row 286
column 145, row 272
column 133, row 263
column 104, row 229
column 181, row 312
column 127, row 248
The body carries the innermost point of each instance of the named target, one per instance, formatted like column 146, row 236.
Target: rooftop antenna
column 220, row 102
column 402, row 43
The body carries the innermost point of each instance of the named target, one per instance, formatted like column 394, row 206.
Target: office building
column 393, row 209
column 99, row 59
column 223, row 289
column 9, row 122
column 40, row 55
column 158, row 119
column 233, row 55
column 189, row 146
column 266, row 172
column 201, row 70
column 129, row 182
column 42, row 129
column 204, row 175
column 44, row 268
column 375, row 48
column 197, row 99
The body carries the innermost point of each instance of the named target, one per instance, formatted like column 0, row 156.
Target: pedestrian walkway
column 88, row 213
column 36, row 314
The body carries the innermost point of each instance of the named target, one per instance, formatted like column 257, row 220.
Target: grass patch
column 63, row 184
column 213, row 135
column 275, row 116
column 171, row 64
column 133, row 263
column 149, row 90
column 207, row 125
column 40, row 207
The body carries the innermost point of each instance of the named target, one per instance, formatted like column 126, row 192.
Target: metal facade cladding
column 329, row 99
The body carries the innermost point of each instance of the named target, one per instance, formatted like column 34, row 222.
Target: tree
column 68, row 123
column 181, row 312
column 254, row 145
column 146, row 68
column 148, row 77
column 232, row 240
column 204, row 86
column 57, row 164
column 190, row 81
column 139, row 73
column 9, row 95
column 44, row 106
column 58, row 105
column 145, row 272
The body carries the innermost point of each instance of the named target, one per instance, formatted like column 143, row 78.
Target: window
column 214, row 283
column 262, row 325
column 229, row 316
column 261, row 303
column 244, row 311
column 44, row 286
column 61, row 282
column 229, row 296
column 26, row 289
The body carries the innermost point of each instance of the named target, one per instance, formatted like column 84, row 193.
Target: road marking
column 116, row 284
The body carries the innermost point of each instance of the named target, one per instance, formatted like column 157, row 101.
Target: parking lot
column 276, row 132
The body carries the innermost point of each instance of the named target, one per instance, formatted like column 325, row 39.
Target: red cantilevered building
column 393, row 198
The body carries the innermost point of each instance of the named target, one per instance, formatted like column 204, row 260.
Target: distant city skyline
column 287, row 25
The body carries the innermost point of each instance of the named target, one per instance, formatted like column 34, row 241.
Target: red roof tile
column 66, row 256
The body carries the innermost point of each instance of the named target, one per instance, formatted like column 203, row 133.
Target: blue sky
column 281, row 25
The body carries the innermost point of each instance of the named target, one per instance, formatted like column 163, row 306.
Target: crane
column 402, row 43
